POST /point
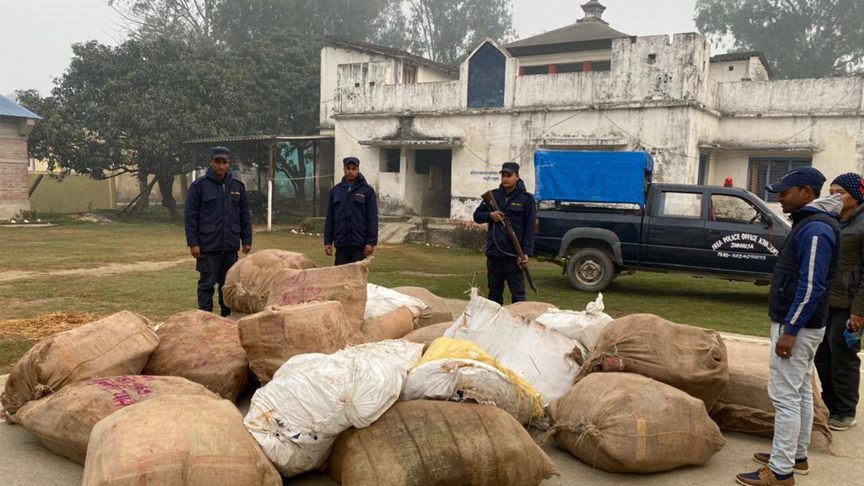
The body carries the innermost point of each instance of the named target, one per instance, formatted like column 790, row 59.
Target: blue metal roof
column 10, row 108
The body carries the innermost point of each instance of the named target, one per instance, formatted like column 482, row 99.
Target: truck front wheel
column 590, row 270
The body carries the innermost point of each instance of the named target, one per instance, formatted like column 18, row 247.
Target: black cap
column 351, row 160
column 800, row 177
column 510, row 167
column 219, row 153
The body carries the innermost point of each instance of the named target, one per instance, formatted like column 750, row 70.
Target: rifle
column 490, row 202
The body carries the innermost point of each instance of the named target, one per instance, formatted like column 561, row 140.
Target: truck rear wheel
column 590, row 270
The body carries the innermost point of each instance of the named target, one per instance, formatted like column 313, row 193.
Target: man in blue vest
column 516, row 203
column 217, row 220
column 352, row 216
column 798, row 307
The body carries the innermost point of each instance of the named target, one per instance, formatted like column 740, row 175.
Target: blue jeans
column 791, row 390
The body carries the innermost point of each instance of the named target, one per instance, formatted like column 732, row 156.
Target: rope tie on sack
column 582, row 428
column 40, row 390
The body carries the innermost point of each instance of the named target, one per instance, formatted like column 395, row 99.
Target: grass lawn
column 725, row 306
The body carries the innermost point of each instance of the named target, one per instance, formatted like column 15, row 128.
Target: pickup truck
column 702, row 231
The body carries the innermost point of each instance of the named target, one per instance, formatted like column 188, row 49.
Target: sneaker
column 765, row 477
column 841, row 423
column 801, row 465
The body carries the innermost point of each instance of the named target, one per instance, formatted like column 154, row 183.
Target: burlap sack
column 273, row 336
column 392, row 325
column 432, row 442
column 529, row 310
column 439, row 311
column 248, row 282
column 689, row 358
column 172, row 440
column 623, row 422
column 345, row 284
column 204, row 348
column 745, row 405
column 120, row 344
column 63, row 421
column 428, row 334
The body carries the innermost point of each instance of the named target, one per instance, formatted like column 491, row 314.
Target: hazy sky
column 36, row 35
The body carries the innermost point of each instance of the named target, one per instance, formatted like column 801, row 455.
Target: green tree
column 128, row 109
column 801, row 38
column 179, row 19
column 447, row 30
column 241, row 20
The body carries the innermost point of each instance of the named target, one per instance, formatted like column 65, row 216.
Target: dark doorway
column 430, row 183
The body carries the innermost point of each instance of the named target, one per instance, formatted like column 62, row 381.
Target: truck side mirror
column 767, row 220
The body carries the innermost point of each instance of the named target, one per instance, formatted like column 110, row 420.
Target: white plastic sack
column 381, row 300
column 314, row 397
column 537, row 353
column 459, row 380
column 584, row 327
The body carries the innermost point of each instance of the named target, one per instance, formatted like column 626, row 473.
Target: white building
column 432, row 143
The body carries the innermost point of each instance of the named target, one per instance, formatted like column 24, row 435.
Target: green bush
column 470, row 237
column 312, row 226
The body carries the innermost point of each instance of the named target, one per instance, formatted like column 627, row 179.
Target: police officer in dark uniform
column 501, row 262
column 352, row 216
column 217, row 220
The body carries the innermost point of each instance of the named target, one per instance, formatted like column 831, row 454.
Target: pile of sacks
column 135, row 403
column 83, row 395
column 345, row 367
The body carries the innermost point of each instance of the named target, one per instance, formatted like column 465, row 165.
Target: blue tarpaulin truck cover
column 594, row 177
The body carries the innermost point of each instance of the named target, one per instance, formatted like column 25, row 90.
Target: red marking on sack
column 612, row 363
column 298, row 292
column 119, row 388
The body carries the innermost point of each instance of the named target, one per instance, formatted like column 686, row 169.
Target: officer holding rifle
column 510, row 213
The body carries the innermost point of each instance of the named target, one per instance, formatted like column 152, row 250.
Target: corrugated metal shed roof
column 12, row 109
column 259, row 138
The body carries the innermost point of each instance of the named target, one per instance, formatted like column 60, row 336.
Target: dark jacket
column 848, row 293
column 217, row 214
column 352, row 215
column 806, row 267
column 519, row 207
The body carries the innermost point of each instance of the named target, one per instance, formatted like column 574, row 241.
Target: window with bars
column 703, row 169
column 767, row 170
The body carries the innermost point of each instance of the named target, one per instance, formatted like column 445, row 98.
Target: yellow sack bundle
column 459, row 370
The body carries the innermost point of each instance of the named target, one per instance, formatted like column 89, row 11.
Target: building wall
column 74, row 193
column 659, row 97
column 720, row 71
column 331, row 60
column 792, row 97
column 13, row 168
column 426, row 74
